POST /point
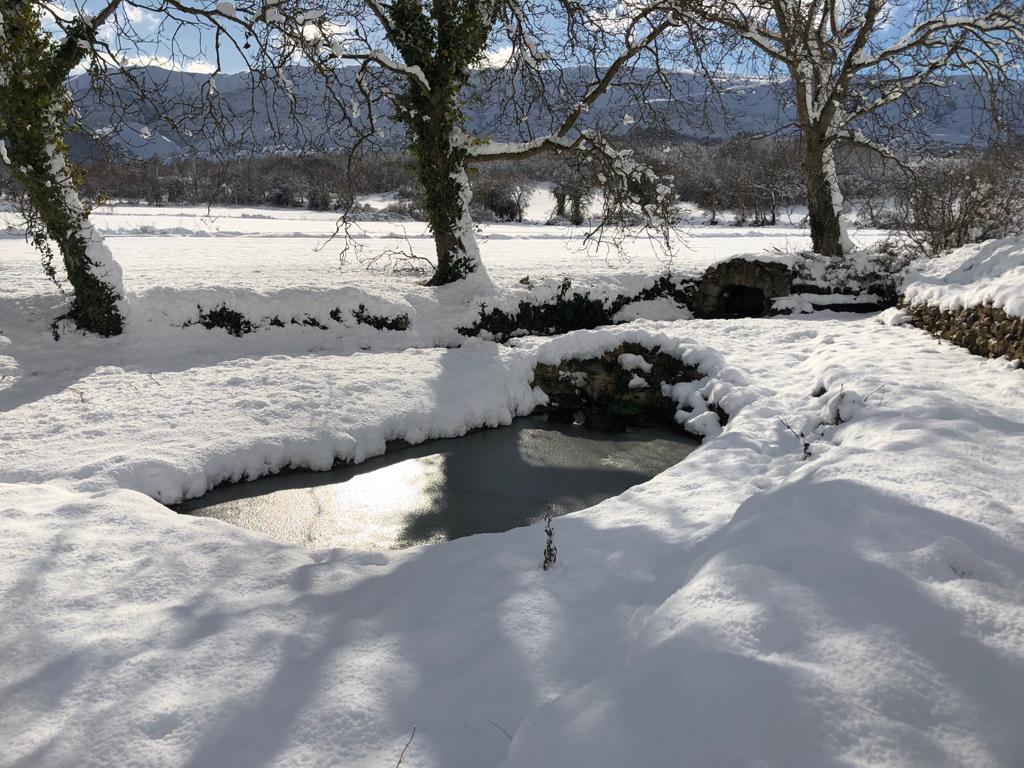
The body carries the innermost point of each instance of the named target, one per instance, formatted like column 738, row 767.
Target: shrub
column 950, row 202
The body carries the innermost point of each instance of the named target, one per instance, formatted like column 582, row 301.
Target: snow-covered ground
column 265, row 262
column 749, row 606
column 273, row 249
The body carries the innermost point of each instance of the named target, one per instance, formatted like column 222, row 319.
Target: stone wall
column 745, row 287
column 741, row 288
column 609, row 395
column 735, row 288
column 984, row 330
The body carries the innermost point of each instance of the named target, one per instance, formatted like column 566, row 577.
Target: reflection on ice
column 487, row 481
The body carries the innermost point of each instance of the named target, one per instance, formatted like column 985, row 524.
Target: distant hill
column 181, row 114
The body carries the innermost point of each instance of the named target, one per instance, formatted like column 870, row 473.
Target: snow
column 261, row 415
column 101, row 262
column 653, row 309
column 894, row 316
column 637, row 382
column 413, row 71
column 378, row 202
column 749, row 606
column 806, row 302
column 631, row 362
column 267, row 250
column 464, row 231
column 980, row 273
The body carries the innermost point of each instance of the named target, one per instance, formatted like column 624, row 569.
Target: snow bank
column 980, row 273
column 173, row 434
column 810, row 302
column 746, row 607
column 331, row 308
column 858, row 608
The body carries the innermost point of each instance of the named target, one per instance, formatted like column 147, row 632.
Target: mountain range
column 149, row 112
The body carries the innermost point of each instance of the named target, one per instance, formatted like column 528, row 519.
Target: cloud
column 141, row 19
column 328, row 31
column 177, row 65
column 60, row 11
column 496, row 58
column 146, row 60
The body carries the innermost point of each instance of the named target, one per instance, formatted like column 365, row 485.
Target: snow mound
column 894, row 316
column 860, row 609
column 652, row 309
column 161, row 307
column 980, row 273
column 173, row 434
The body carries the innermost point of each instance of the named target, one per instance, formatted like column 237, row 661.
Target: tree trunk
column 824, row 199
column 559, row 204
column 33, row 109
column 576, row 213
column 441, row 166
column 38, row 164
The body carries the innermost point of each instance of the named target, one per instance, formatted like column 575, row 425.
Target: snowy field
column 750, row 606
column 275, row 250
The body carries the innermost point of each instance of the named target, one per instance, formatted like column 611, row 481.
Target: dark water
column 487, row 481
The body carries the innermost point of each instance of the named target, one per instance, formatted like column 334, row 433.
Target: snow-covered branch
column 559, row 138
column 529, row 47
column 1003, row 19
column 494, row 151
column 381, row 58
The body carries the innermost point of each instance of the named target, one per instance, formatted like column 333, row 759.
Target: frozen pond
column 487, row 481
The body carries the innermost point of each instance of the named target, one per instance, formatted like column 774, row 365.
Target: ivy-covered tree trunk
column 441, row 166
column 438, row 42
column 33, row 108
column 40, row 167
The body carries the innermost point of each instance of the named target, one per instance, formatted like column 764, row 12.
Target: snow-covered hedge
column 560, row 306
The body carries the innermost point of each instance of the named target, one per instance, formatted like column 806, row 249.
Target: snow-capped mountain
column 184, row 112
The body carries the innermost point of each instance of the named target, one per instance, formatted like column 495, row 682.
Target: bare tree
column 503, row 190
column 850, row 61
column 949, row 202
column 417, row 58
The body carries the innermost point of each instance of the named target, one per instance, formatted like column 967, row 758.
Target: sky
column 193, row 48
column 187, row 48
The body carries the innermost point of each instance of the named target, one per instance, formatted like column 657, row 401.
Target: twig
column 881, row 397
column 411, row 736
column 501, row 729
column 799, row 436
column 550, row 550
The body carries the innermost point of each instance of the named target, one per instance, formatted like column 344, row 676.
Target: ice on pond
column 487, row 481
